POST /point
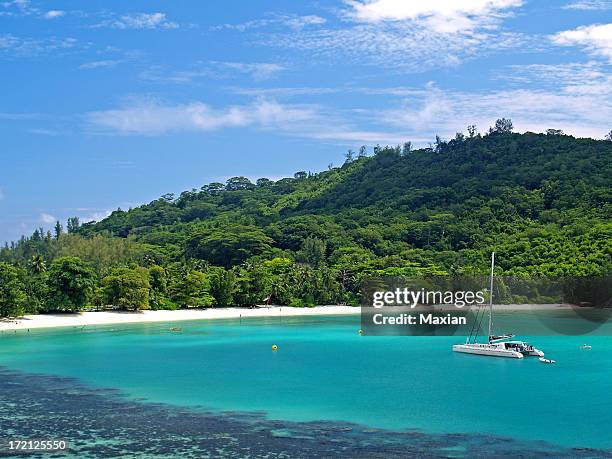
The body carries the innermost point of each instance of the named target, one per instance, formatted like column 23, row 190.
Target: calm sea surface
column 323, row 371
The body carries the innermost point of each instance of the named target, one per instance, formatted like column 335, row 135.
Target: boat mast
column 491, row 296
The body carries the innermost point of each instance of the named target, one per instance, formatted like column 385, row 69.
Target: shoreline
column 81, row 319
column 124, row 317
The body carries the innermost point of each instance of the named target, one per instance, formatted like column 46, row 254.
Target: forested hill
column 543, row 202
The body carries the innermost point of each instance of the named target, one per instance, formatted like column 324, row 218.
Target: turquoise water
column 323, row 370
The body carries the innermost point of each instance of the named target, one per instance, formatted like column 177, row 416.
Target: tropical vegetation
column 543, row 202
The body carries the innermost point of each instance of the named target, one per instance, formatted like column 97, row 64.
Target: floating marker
column 274, row 347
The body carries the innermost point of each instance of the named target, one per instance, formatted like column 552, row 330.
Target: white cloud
column 95, row 216
column 53, row 14
column 299, row 22
column 42, row 131
column 139, row 21
column 596, row 39
column 258, row 71
column 592, row 5
column 582, row 111
column 576, row 98
column 354, row 136
column 159, row 74
column 306, row 121
column 17, row 8
column 16, row 3
column 590, row 78
column 47, row 219
column 289, row 91
column 416, row 35
column 444, row 16
column 99, row 64
column 153, row 118
column 284, row 20
column 404, row 45
column 29, row 46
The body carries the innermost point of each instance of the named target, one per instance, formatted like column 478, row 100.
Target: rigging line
column 482, row 316
column 473, row 325
column 478, row 317
column 476, row 325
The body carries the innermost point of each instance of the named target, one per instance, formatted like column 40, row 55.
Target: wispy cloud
column 596, row 39
column 291, row 21
column 53, row 14
column 139, row 21
column 400, row 44
column 346, row 135
column 17, row 8
column 257, row 70
column 41, row 131
column 153, row 118
column 160, row 74
column 95, row 216
column 25, row 47
column 306, row 121
column 443, row 16
column 99, row 64
column 574, row 97
column 47, row 219
column 589, row 5
column 579, row 110
column 9, row 41
column 289, row 91
column 592, row 78
column 409, row 35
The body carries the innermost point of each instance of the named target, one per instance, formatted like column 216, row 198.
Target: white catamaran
column 497, row 346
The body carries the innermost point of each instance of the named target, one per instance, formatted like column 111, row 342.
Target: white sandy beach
column 121, row 317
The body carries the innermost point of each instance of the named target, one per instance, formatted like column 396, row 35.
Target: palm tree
column 37, row 264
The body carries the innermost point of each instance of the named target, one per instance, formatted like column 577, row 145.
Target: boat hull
column 535, row 353
column 487, row 350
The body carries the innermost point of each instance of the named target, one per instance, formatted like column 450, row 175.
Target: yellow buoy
column 274, row 347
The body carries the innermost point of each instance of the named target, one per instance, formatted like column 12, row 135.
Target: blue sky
column 108, row 104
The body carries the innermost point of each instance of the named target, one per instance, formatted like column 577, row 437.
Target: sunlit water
column 324, row 370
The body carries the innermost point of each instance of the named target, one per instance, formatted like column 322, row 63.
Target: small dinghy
column 586, row 346
column 544, row 360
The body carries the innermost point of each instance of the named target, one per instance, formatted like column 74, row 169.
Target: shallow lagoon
column 325, row 371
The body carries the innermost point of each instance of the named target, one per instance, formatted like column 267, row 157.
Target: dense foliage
column 543, row 202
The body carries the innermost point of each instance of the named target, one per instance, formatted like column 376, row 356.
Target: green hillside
column 543, row 202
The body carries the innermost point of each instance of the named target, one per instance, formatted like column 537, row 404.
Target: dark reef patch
column 103, row 423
